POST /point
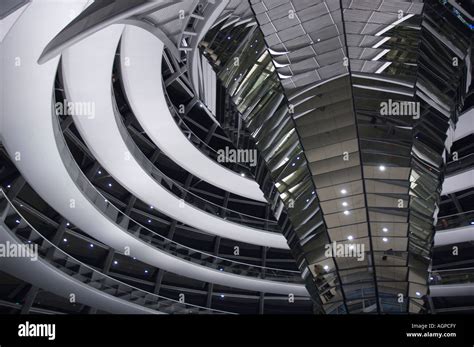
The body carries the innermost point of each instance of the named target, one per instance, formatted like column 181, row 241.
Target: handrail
column 463, row 164
column 455, row 220
column 87, row 274
column 450, row 276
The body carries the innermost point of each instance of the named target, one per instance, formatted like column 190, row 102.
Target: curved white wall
column 142, row 81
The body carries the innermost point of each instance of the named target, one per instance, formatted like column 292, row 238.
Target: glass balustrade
column 147, row 235
column 455, row 220
column 452, row 276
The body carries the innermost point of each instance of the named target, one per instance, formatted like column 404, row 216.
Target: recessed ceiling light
column 347, row 213
column 146, row 271
column 384, row 239
column 67, row 224
column 350, row 237
column 326, row 267
column 149, row 221
column 91, row 245
column 343, row 191
column 418, row 294
column 115, row 262
column 345, row 204
column 110, row 184
column 384, row 230
column 242, row 174
column 382, row 168
column 222, row 296
column 65, row 240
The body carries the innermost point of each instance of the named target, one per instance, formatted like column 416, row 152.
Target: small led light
column 68, row 224
column 99, row 172
column 384, row 239
column 110, row 184
column 91, row 245
column 418, row 294
column 65, row 240
column 347, row 213
column 345, row 204
column 350, row 237
column 343, row 191
column 9, row 186
column 151, row 207
column 326, row 267
column 222, row 296
column 382, row 168
column 146, row 271
column 149, row 221
column 384, row 230
column 242, row 174
column 307, row 200
column 17, row 221
column 115, row 262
